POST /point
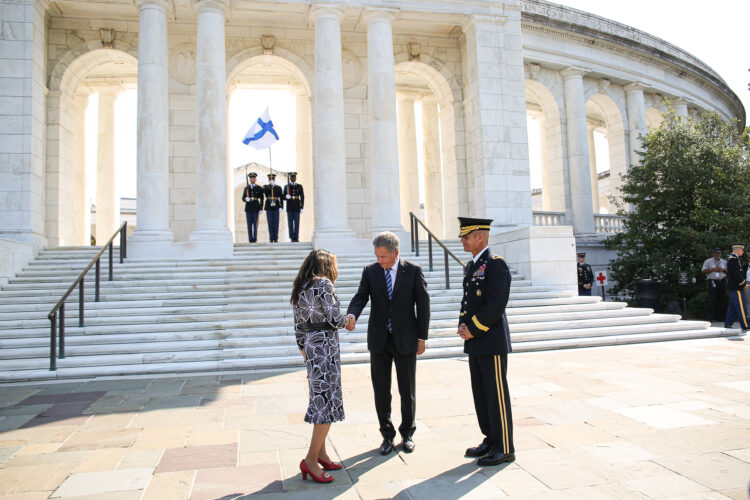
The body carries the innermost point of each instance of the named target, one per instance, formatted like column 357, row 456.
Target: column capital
column 221, row 6
column 573, row 72
column 634, row 87
column 108, row 88
column 429, row 98
column 165, row 5
column 326, row 10
column 407, row 94
column 379, row 14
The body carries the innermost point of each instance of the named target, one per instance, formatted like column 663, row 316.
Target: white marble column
column 383, row 147
column 495, row 103
column 81, row 208
column 107, row 199
column 636, row 108
column 304, row 163
column 582, row 207
column 680, row 107
column 152, row 203
column 592, row 162
column 433, row 172
column 332, row 229
column 211, row 170
column 408, row 169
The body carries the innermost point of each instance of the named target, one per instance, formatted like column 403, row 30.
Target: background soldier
column 295, row 202
column 253, row 198
column 274, row 203
column 715, row 269
column 484, row 328
column 585, row 275
column 736, row 283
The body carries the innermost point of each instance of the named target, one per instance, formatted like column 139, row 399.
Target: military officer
column 294, row 197
column 274, row 205
column 585, row 275
column 253, row 198
column 736, row 283
column 484, row 328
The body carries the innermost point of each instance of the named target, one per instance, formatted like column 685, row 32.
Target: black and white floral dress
column 319, row 304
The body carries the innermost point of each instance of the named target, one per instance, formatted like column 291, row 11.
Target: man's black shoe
column 408, row 445
column 496, row 457
column 478, row 451
column 386, row 447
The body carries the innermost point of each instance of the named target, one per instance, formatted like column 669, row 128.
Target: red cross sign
column 601, row 278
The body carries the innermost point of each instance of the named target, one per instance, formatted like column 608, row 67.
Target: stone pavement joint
column 656, row 421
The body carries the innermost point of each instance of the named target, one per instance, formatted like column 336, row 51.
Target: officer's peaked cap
column 469, row 224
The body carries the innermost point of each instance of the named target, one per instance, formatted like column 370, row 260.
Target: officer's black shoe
column 408, row 445
column 496, row 457
column 478, row 451
column 386, row 447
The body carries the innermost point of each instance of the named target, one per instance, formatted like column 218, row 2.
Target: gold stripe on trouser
column 501, row 402
column 743, row 319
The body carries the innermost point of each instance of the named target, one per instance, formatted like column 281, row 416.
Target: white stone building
column 478, row 67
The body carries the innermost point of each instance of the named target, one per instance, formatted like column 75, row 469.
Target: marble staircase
column 161, row 316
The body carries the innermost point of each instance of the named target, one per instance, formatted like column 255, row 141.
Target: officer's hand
column 421, row 346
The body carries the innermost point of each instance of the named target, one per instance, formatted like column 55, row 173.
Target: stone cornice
column 571, row 24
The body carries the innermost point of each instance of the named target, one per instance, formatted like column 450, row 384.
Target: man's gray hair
column 387, row 240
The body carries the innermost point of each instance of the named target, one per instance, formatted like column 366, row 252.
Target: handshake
column 351, row 322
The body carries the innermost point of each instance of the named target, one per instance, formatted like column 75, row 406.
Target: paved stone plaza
column 661, row 420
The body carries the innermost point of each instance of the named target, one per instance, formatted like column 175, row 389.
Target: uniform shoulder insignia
column 495, row 257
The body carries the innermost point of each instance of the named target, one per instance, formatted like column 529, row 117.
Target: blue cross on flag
column 261, row 135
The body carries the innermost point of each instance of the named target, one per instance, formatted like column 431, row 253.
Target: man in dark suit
column 396, row 333
column 483, row 326
column 253, row 198
column 294, row 196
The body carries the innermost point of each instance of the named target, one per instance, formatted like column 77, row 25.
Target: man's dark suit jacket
column 409, row 309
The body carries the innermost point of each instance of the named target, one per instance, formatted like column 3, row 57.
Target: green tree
column 689, row 193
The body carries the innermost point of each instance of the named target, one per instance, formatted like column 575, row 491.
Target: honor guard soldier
column 585, row 275
column 274, row 205
column 484, row 328
column 736, row 283
column 253, row 198
column 294, row 196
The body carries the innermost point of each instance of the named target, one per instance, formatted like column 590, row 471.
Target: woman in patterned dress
column 317, row 317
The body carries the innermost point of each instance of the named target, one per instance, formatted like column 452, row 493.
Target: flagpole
column 270, row 161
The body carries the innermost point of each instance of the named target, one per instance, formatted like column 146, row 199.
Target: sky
column 715, row 35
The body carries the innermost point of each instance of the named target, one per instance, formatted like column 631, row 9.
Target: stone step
column 280, row 356
column 81, row 345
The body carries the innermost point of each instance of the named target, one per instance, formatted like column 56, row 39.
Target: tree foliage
column 689, row 193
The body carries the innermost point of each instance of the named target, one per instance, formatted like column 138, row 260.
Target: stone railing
column 549, row 218
column 609, row 223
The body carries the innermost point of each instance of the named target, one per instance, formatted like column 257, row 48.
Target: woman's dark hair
column 318, row 264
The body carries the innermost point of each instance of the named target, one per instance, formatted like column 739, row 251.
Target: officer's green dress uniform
column 486, row 291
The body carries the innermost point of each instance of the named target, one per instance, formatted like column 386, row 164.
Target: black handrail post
column 62, row 331
column 416, row 239
column 411, row 230
column 53, row 343
column 80, row 302
column 98, row 272
column 111, row 246
column 447, row 277
column 429, row 247
column 124, row 242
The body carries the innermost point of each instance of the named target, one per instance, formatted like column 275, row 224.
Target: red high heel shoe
column 330, row 465
column 323, row 478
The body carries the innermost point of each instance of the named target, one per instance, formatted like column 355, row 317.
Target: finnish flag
column 261, row 135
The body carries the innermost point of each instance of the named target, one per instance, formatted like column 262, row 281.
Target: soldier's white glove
column 289, row 197
column 247, row 199
column 280, row 210
column 300, row 211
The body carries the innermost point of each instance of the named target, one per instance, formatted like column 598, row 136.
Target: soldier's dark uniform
column 585, row 276
column 294, row 196
column 253, row 193
column 274, row 202
column 486, row 290
column 735, row 285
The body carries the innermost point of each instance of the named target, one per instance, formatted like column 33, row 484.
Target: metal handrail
column 414, row 224
column 53, row 316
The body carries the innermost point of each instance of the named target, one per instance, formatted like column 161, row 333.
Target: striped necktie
column 389, row 288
